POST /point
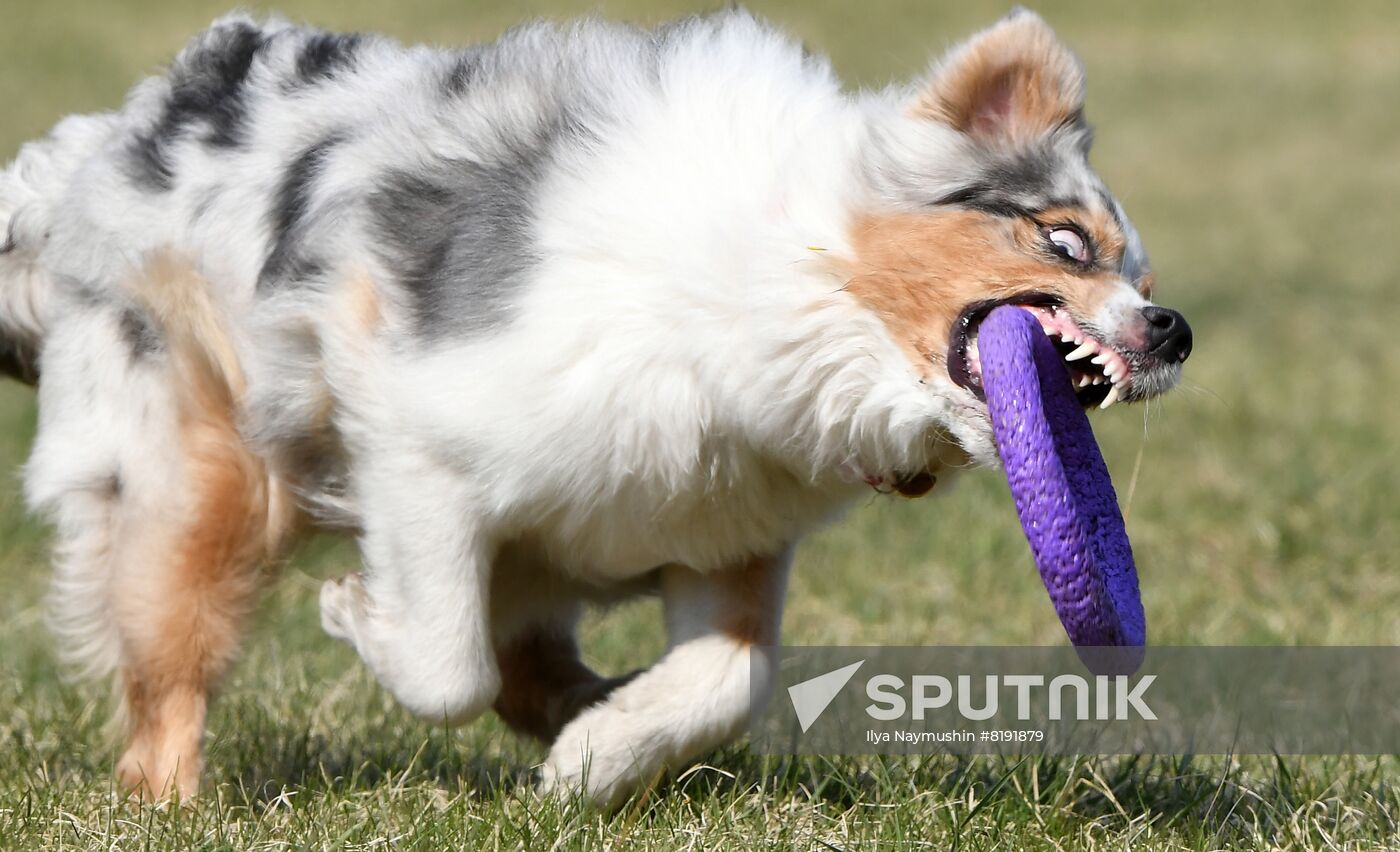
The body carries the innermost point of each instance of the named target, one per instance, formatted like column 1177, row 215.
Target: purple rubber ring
column 1060, row 483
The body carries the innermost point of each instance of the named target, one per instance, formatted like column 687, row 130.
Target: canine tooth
column 1049, row 332
column 1110, row 399
column 1085, row 350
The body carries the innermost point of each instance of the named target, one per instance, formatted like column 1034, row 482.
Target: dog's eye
column 1068, row 242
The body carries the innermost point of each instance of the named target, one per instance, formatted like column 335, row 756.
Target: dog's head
column 983, row 195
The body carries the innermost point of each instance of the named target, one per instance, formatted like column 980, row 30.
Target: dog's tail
column 236, row 514
column 209, row 386
column 31, row 189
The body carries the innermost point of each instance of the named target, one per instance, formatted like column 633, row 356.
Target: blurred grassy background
column 1257, row 147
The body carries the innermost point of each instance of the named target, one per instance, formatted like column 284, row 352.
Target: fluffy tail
column 209, row 386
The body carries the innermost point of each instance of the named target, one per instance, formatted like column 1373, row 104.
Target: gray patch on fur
column 206, row 88
column 460, row 74
column 459, row 241
column 324, row 55
column 1111, row 205
column 287, row 261
column 1022, row 183
column 139, row 334
column 457, row 231
column 1027, row 178
column 459, row 235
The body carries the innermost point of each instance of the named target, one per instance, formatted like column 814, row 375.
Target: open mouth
column 1099, row 373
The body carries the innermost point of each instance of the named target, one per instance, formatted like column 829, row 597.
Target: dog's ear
column 1011, row 82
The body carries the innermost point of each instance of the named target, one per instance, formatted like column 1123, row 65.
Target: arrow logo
column 811, row 697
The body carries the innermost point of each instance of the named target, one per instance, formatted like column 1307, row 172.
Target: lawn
column 1257, row 146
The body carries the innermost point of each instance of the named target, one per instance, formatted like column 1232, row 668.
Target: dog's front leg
column 418, row 615
column 695, row 698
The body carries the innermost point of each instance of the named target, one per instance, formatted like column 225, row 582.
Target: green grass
column 1258, row 148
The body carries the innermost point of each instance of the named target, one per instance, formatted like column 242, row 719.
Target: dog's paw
column 342, row 603
column 597, row 759
column 147, row 777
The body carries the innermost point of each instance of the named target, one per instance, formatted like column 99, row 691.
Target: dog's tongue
column 1060, row 483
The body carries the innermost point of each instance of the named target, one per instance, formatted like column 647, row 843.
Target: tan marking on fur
column 918, row 272
column 750, row 598
column 182, row 606
column 364, row 301
column 1014, row 81
column 544, row 685
column 360, row 302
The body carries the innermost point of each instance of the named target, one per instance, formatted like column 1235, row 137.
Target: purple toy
column 1060, row 483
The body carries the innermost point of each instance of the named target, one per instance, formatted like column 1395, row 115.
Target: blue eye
column 1068, row 242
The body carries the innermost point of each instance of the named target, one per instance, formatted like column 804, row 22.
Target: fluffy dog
column 589, row 312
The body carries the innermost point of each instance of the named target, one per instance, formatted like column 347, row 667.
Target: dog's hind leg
column 186, row 586
column 180, row 603
column 695, row 698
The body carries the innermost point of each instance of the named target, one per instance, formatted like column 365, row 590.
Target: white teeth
column 1100, row 359
column 1110, row 399
column 1084, row 351
column 1098, row 380
column 1049, row 332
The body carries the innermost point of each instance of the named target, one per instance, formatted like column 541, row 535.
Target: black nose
column 1168, row 335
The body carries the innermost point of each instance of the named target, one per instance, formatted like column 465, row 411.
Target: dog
column 590, row 312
